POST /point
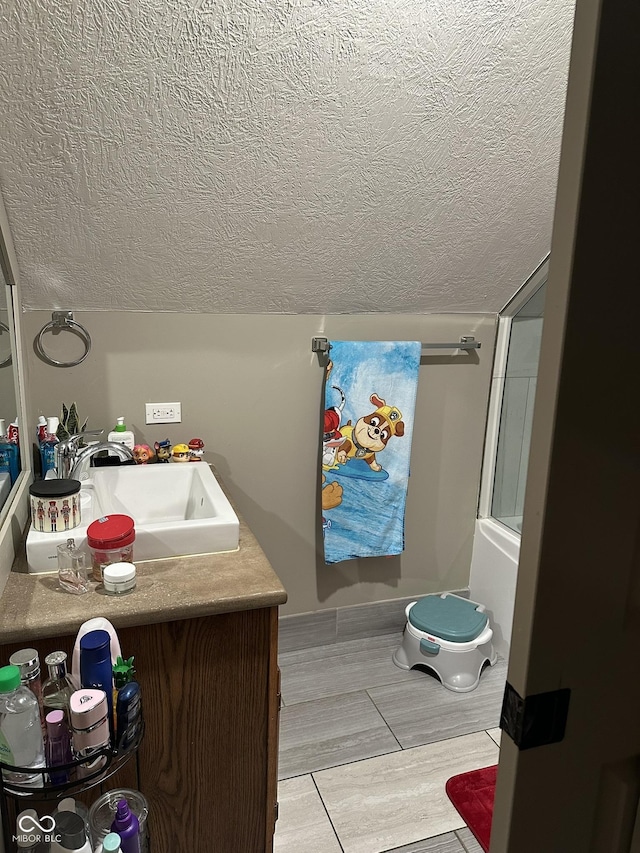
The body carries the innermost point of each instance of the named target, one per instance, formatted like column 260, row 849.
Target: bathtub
column 493, row 575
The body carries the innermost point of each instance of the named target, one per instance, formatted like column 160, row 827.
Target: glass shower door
column 516, row 413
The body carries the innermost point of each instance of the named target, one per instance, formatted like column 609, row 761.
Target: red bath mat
column 472, row 794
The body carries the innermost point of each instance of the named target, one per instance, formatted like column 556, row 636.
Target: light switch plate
column 163, row 413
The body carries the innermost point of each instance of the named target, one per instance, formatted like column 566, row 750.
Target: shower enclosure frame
column 496, row 546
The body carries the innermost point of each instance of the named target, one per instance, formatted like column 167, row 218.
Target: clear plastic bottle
column 28, row 662
column 57, row 689
column 21, row 743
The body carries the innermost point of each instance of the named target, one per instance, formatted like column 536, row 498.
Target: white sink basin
column 178, row 509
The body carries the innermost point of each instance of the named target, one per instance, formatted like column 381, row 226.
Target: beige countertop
column 33, row 606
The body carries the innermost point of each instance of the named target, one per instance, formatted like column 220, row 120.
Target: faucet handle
column 73, row 440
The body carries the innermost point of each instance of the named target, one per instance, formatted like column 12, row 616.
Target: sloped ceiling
column 297, row 156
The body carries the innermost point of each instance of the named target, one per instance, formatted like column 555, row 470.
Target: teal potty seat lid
column 449, row 618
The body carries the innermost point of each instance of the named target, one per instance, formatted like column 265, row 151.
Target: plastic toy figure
column 163, row 450
column 196, row 449
column 142, row 453
column 180, row 453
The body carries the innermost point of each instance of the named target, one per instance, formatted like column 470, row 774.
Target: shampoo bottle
column 128, row 828
column 121, row 434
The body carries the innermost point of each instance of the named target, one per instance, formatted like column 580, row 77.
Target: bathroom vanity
column 203, row 631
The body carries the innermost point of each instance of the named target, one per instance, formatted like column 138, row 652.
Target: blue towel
column 370, row 395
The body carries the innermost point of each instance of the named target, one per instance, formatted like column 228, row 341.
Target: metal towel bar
column 466, row 342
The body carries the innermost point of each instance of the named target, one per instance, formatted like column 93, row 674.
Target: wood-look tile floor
column 366, row 749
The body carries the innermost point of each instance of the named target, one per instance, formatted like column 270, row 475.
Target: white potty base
column 457, row 665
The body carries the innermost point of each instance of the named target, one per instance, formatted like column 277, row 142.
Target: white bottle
column 28, row 832
column 71, row 834
column 110, row 844
column 21, row 742
column 121, row 434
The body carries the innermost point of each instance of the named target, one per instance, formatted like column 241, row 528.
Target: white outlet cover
column 163, row 413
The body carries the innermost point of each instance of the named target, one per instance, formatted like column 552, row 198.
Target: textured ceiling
column 303, row 156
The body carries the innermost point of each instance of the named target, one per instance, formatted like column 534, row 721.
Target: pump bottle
column 121, row 434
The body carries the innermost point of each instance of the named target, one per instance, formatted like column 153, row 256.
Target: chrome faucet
column 66, row 452
column 70, row 460
column 77, row 471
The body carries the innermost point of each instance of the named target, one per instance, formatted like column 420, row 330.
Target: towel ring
column 7, row 361
column 63, row 320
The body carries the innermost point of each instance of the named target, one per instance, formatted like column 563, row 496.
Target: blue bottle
column 128, row 715
column 95, row 667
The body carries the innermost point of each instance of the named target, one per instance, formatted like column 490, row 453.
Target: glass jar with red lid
column 110, row 540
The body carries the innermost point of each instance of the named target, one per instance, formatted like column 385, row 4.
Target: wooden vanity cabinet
column 208, row 760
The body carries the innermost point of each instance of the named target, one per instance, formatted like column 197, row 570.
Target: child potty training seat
column 449, row 634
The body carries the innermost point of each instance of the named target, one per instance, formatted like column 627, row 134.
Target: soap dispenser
column 121, row 434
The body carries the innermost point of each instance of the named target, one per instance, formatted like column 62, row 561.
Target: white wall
column 251, row 388
column 305, row 156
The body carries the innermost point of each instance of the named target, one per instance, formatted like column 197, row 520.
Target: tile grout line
column 344, row 693
column 461, row 840
column 383, row 718
column 327, row 813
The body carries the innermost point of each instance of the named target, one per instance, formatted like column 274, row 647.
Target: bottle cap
column 110, row 532
column 55, row 717
column 120, row 425
column 95, row 646
column 28, row 662
column 72, row 829
column 111, row 843
column 122, row 809
column 57, row 663
column 52, row 425
column 87, row 707
column 9, row 678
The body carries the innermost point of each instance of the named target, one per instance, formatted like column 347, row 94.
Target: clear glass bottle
column 57, row 689
column 21, row 742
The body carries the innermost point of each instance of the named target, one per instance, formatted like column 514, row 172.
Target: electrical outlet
column 163, row 413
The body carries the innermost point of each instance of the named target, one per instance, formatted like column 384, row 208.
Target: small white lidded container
column 119, row 578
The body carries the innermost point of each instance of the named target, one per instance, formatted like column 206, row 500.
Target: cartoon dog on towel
column 370, row 434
